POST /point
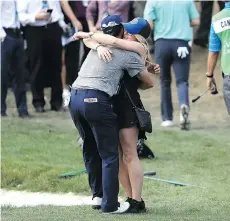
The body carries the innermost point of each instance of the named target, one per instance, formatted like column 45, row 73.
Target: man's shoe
column 167, row 123
column 96, row 204
column 123, row 208
column 24, row 115
column 39, row 109
column 184, row 117
column 137, row 206
column 53, row 108
column 4, row 114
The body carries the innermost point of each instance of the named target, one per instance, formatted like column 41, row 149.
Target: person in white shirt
column 44, row 24
column 12, row 56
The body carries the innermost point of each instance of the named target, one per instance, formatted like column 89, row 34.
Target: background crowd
column 36, row 44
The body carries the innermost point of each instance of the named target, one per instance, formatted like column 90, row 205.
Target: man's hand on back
column 104, row 53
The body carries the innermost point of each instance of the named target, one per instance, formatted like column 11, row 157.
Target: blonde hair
column 147, row 59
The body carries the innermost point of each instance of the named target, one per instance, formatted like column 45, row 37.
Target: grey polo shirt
column 105, row 76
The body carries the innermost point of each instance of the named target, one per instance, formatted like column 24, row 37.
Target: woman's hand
column 80, row 34
column 157, row 68
column 104, row 53
column 154, row 68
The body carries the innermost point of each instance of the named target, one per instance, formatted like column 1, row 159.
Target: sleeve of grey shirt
column 134, row 64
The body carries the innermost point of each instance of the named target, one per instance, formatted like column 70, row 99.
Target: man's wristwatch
column 209, row 75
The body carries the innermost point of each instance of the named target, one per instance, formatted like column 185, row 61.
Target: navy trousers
column 166, row 56
column 12, row 56
column 93, row 115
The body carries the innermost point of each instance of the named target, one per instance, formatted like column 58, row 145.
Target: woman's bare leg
column 128, row 140
column 123, row 175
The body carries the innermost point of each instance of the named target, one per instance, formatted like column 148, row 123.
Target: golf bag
column 143, row 150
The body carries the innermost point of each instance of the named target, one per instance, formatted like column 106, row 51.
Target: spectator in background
column 138, row 11
column 138, row 8
column 97, row 10
column 71, row 48
column 43, row 21
column 12, row 56
column 172, row 33
column 81, row 15
column 202, row 33
column 79, row 11
column 220, row 41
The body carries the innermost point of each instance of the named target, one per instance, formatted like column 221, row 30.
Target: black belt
column 84, row 90
column 13, row 31
column 48, row 25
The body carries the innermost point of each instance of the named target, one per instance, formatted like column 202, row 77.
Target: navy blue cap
column 138, row 26
column 110, row 21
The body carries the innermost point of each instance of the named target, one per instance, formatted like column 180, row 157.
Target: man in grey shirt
column 92, row 112
column 99, row 75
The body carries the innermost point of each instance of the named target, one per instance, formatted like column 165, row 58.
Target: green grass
column 35, row 152
column 85, row 213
